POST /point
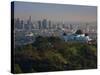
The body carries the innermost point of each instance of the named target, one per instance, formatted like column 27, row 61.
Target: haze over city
column 55, row 12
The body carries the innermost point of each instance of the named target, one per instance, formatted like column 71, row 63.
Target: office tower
column 71, row 27
column 29, row 23
column 22, row 24
column 39, row 24
column 18, row 24
column 44, row 24
column 49, row 24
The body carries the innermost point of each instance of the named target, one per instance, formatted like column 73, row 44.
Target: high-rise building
column 71, row 27
column 22, row 24
column 49, row 25
column 39, row 24
column 29, row 20
column 18, row 24
column 44, row 24
column 29, row 23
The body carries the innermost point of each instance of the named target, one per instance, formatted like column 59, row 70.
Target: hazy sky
column 55, row 12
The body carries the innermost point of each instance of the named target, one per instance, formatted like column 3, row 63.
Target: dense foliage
column 79, row 32
column 54, row 54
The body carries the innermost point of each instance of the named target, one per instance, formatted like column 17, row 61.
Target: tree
column 79, row 32
column 17, row 68
column 52, row 53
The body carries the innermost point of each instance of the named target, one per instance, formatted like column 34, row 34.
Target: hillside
column 53, row 54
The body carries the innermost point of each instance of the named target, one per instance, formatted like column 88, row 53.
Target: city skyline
column 58, row 12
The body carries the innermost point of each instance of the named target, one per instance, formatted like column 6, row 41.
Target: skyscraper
column 29, row 23
column 44, row 23
column 39, row 24
column 18, row 24
column 49, row 25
